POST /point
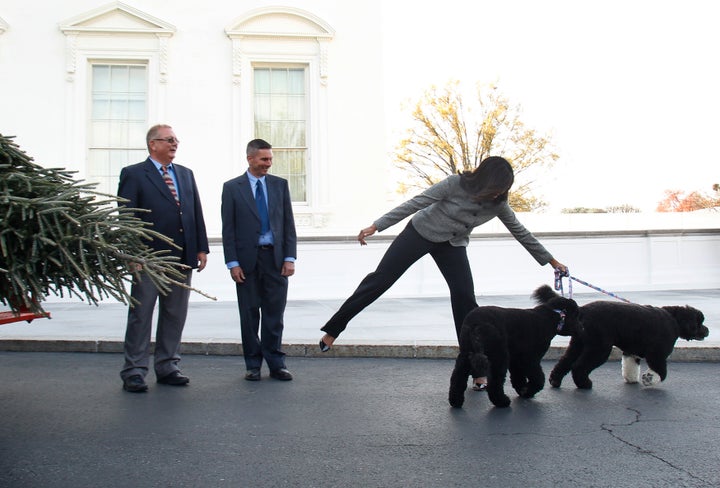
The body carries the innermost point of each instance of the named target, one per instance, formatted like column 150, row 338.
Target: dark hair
column 255, row 145
column 490, row 181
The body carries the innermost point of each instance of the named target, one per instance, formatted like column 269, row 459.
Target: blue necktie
column 262, row 208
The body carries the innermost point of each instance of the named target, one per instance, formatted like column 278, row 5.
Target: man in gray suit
column 260, row 245
column 170, row 194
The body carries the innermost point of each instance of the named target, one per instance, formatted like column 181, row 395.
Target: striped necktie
column 170, row 184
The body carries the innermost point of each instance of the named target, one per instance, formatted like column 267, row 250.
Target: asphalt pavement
column 373, row 412
column 347, row 422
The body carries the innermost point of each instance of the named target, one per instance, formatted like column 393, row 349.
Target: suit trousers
column 408, row 247
column 261, row 303
column 172, row 313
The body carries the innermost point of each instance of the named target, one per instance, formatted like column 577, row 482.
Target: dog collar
column 560, row 324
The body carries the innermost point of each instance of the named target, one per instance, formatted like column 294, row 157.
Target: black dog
column 494, row 340
column 639, row 331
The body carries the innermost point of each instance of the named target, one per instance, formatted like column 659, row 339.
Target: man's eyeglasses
column 169, row 140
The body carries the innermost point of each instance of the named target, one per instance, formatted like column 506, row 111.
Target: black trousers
column 261, row 303
column 405, row 250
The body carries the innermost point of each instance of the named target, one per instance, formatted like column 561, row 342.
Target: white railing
column 331, row 268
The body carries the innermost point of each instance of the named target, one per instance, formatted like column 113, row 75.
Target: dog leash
column 559, row 275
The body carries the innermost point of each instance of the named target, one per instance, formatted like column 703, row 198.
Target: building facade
column 81, row 81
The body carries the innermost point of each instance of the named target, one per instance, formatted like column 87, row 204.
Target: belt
column 265, row 247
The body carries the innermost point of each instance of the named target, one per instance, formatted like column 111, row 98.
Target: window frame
column 285, row 36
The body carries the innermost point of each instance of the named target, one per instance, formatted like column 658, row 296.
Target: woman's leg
column 455, row 268
column 407, row 248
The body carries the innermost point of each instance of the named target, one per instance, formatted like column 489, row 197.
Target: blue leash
column 559, row 275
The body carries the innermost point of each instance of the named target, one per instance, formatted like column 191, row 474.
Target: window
column 280, row 73
column 281, row 119
column 116, row 62
column 118, row 121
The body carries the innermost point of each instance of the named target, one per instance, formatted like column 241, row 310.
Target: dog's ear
column 571, row 318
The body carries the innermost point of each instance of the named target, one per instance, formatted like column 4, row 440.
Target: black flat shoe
column 324, row 347
column 479, row 386
column 176, row 378
column 135, row 384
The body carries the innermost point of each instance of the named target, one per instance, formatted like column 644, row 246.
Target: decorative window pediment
column 279, row 22
column 116, row 17
column 108, row 29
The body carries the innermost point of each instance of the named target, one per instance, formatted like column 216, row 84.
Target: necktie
column 262, row 208
column 168, row 180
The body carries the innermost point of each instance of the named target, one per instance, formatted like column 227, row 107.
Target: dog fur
column 495, row 340
column 639, row 331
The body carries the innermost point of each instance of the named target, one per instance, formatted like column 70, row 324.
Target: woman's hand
column 366, row 232
column 559, row 266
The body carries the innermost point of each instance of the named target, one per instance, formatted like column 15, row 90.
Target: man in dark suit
column 260, row 245
column 169, row 191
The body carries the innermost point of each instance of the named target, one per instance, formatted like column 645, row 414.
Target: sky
column 629, row 90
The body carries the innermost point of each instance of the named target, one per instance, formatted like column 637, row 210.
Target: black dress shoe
column 281, row 374
column 135, row 384
column 253, row 374
column 176, row 378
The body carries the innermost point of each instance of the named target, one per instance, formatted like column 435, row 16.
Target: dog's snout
column 704, row 332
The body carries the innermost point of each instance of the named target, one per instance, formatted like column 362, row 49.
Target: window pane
column 296, row 107
column 262, row 107
column 262, row 80
column 296, row 81
column 278, row 81
column 101, row 78
column 137, row 83
column 262, row 131
column 119, row 79
column 278, row 108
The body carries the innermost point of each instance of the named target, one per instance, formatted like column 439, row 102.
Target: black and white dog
column 494, row 340
column 639, row 331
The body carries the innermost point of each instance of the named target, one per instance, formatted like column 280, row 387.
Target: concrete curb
column 404, row 351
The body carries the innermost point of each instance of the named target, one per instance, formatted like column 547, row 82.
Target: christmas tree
column 60, row 236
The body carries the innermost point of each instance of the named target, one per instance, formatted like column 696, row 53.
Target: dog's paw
column 526, row 392
column 583, row 383
column 631, row 369
column 555, row 382
column 498, row 397
column 501, row 402
column 456, row 399
column 650, row 378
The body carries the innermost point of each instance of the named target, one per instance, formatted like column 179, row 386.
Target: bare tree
column 449, row 136
column 678, row 201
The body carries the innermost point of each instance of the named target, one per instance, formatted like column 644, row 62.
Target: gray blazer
column 446, row 212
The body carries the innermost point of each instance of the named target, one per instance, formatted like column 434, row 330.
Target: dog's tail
column 544, row 294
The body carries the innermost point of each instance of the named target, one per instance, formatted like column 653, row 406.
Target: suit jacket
column 241, row 222
column 446, row 212
column 145, row 188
